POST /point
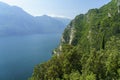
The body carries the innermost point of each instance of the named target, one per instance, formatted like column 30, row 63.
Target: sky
column 57, row 8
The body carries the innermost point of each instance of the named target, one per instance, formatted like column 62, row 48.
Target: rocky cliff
column 86, row 26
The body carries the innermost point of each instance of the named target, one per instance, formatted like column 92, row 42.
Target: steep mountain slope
column 15, row 21
column 89, row 48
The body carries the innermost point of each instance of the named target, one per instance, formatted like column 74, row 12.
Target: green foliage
column 95, row 50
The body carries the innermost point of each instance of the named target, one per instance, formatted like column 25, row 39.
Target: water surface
column 19, row 54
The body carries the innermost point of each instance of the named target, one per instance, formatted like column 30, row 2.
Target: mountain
column 89, row 48
column 51, row 24
column 15, row 21
column 63, row 20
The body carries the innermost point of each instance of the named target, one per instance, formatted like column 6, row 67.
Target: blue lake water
column 19, row 54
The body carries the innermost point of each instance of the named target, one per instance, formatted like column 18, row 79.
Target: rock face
column 70, row 30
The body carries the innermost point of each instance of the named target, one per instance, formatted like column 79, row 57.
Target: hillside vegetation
column 89, row 48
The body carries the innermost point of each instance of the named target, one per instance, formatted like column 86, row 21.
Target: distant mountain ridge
column 15, row 21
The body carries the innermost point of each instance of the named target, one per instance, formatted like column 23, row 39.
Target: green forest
column 89, row 48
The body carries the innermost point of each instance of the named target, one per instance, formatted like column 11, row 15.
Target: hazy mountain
column 15, row 21
column 63, row 20
column 51, row 24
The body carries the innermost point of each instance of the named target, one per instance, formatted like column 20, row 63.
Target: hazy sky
column 67, row 8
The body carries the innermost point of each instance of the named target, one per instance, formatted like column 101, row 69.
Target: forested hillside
column 89, row 48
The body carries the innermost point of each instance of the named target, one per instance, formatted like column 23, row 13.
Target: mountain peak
column 15, row 21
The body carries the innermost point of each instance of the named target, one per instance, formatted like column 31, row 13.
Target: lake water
column 19, row 54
